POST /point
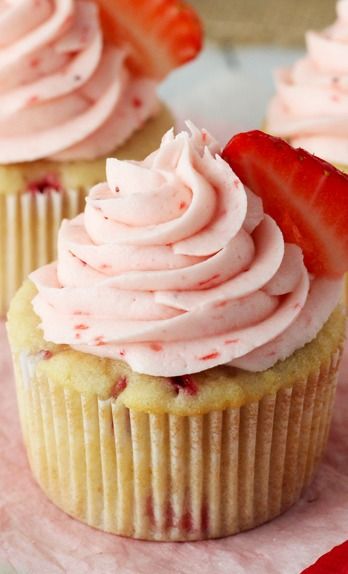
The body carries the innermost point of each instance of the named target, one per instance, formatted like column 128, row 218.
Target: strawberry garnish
column 334, row 562
column 161, row 34
column 306, row 196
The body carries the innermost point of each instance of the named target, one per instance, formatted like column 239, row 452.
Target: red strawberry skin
column 334, row 562
column 162, row 34
column 305, row 195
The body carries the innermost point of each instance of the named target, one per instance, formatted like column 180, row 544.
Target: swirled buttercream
column 310, row 108
column 65, row 93
column 175, row 268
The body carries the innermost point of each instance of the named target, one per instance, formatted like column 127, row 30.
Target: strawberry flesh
column 161, row 34
column 185, row 383
column 47, row 183
column 120, row 385
column 307, row 197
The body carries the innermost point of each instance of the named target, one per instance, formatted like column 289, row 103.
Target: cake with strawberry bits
column 78, row 83
column 176, row 367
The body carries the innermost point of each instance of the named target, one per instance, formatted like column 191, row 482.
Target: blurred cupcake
column 310, row 108
column 176, row 368
column 77, row 84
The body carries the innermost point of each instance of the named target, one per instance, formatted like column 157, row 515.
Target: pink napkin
column 37, row 538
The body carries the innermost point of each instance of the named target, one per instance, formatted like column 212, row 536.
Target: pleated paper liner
column 29, row 224
column 168, row 477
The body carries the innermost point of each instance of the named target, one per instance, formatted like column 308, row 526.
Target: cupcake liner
column 168, row 477
column 29, row 224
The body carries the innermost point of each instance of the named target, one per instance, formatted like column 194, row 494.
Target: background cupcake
column 176, row 368
column 75, row 86
column 310, row 108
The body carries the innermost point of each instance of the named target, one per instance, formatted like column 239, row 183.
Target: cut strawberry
column 334, row 562
column 306, row 196
column 162, row 34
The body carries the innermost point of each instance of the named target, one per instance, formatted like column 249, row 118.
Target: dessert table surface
column 224, row 91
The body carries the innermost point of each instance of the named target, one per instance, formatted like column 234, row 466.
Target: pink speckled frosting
column 175, row 268
column 311, row 104
column 64, row 93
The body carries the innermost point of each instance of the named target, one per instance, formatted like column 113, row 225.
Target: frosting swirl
column 175, row 268
column 64, row 92
column 311, row 104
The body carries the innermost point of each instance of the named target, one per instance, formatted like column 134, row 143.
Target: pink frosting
column 64, row 93
column 175, row 268
column 311, row 104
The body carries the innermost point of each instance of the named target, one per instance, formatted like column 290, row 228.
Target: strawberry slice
column 306, row 196
column 334, row 562
column 162, row 34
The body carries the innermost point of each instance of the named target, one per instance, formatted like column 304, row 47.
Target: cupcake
column 78, row 83
column 176, row 367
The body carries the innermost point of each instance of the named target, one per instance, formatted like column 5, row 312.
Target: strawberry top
column 306, row 196
column 161, row 34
